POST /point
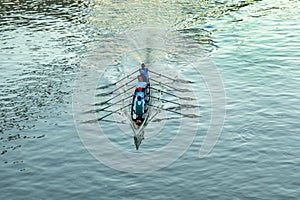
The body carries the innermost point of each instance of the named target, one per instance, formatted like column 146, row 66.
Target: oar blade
column 104, row 94
column 105, row 86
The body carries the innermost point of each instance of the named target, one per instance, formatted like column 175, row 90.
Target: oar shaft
column 169, row 86
column 106, row 101
column 108, row 93
column 165, row 100
column 171, row 94
column 162, row 91
column 112, row 84
column 170, row 78
column 162, row 75
column 112, row 112
column 166, row 109
column 98, row 110
column 126, row 77
column 124, row 85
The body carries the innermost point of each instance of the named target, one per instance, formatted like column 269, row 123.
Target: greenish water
column 255, row 47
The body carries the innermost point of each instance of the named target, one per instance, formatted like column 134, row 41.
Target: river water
column 48, row 47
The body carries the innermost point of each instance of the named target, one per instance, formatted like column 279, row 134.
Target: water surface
column 254, row 44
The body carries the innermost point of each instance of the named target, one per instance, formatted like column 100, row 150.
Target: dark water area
column 46, row 47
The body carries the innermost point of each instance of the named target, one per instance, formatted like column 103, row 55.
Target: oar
column 102, row 109
column 106, row 101
column 173, row 111
column 176, row 103
column 112, row 121
column 152, row 117
column 166, row 109
column 112, row 84
column 165, row 100
column 171, row 94
column 179, row 80
column 112, row 112
column 177, row 89
column 108, row 93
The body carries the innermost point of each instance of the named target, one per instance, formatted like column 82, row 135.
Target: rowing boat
column 146, row 100
column 140, row 105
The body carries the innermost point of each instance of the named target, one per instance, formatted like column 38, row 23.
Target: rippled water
column 46, row 45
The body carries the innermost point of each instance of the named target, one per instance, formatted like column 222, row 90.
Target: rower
column 140, row 78
column 142, row 85
column 139, row 92
column 144, row 72
column 139, row 106
column 139, row 110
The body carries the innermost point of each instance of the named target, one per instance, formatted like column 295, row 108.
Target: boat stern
column 138, row 140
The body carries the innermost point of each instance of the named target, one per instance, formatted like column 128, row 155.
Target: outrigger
column 142, row 103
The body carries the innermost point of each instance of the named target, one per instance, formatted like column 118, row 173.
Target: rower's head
column 138, row 122
column 139, row 89
column 139, row 98
column 140, row 78
column 143, row 65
